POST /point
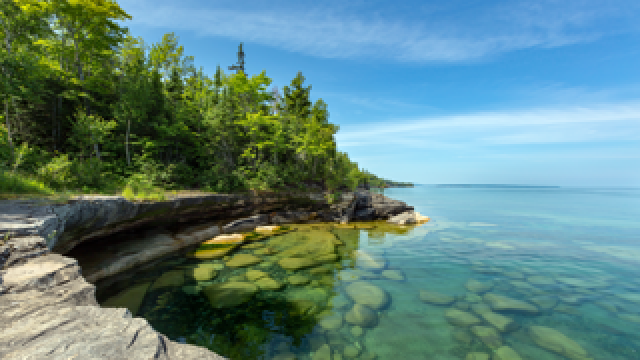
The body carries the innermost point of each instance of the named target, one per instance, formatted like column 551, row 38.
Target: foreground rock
column 47, row 310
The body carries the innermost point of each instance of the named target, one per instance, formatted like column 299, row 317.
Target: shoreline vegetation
column 90, row 109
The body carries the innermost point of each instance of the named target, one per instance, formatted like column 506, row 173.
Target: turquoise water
column 566, row 260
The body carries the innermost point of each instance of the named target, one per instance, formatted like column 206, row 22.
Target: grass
column 19, row 186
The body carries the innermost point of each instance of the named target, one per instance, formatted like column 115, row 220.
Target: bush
column 58, row 172
column 140, row 186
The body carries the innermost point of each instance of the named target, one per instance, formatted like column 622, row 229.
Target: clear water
column 584, row 243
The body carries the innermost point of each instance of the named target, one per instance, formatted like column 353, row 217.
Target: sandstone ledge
column 48, row 309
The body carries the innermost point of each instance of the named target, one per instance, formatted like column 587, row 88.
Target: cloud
column 471, row 34
column 585, row 124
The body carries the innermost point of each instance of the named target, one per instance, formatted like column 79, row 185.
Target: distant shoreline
column 493, row 186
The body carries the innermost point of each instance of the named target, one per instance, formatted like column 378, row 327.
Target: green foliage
column 169, row 125
column 16, row 183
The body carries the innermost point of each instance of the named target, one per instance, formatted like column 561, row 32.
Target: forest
column 88, row 108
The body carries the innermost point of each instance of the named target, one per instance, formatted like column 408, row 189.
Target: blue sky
column 543, row 92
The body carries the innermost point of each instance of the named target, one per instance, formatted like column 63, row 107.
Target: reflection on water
column 470, row 284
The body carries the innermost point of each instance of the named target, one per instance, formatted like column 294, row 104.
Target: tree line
column 85, row 105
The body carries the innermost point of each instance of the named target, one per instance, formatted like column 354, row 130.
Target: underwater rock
column 506, row 353
column 191, row 289
column 331, row 322
column 462, row 335
column 326, row 258
column 309, row 293
column 362, row 292
column 478, row 287
column 481, row 308
column 488, row 335
column 393, row 275
column 298, row 280
column 241, row 260
column 436, row 298
column 369, row 261
column 267, row 283
column 204, row 272
column 265, row 251
column 477, row 356
column 362, row 316
column 356, row 331
column 557, row 342
column 461, row 318
column 503, row 303
column 229, row 294
column 472, row 298
column 296, row 263
column 515, row 275
column 339, row 302
column 323, row 353
column 500, row 322
column 564, row 308
column 407, row 218
column 169, row 279
column 253, row 275
column 212, row 253
column 351, row 351
column 130, row 298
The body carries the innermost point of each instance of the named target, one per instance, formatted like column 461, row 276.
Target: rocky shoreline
column 47, row 304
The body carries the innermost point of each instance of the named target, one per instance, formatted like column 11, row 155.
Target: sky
column 543, row 92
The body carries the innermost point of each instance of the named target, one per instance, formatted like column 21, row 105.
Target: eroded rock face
column 48, row 310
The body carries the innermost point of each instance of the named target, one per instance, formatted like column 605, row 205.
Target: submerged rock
column 461, row 318
column 267, row 283
column 242, row 260
column 331, row 322
column 506, row 353
column 169, row 279
column 298, row 280
column 229, row 294
column 503, row 303
column 204, row 272
column 557, row 342
column 393, row 275
column 362, row 292
column 362, row 316
column 296, row 263
column 488, row 335
column 436, row 298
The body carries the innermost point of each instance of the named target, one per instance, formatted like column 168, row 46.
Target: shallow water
column 572, row 254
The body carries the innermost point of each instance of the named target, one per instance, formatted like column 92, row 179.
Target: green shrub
column 58, row 172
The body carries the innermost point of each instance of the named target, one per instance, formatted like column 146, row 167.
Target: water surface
column 570, row 255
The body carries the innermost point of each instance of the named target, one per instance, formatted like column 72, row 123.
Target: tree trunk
column 127, row 142
column 6, row 116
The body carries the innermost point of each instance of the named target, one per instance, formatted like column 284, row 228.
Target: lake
column 497, row 273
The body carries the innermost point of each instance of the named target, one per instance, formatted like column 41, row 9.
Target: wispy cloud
column 428, row 37
column 601, row 123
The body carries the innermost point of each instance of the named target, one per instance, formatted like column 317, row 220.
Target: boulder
column 242, row 260
column 461, row 318
column 503, row 303
column 253, row 275
column 500, row 322
column 362, row 315
column 554, row 340
column 229, row 294
column 488, row 335
column 362, row 292
column 267, row 283
column 204, row 272
column 393, row 275
column 331, row 322
column 298, row 280
column 506, row 353
column 432, row 297
column 407, row 218
column 369, row 261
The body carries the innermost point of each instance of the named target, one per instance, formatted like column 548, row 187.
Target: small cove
column 572, row 254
